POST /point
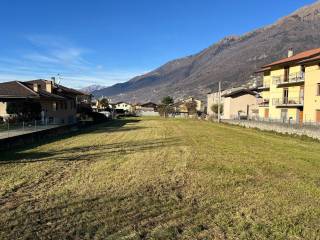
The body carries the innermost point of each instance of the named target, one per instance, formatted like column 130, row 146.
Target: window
column 54, row 106
column 318, row 89
column 286, row 74
column 285, row 95
column 303, row 68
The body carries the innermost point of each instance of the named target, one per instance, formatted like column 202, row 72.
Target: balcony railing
column 292, row 78
column 264, row 103
column 288, row 101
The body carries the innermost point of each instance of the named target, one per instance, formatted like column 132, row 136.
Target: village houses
column 59, row 104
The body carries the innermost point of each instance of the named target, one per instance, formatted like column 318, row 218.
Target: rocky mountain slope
column 232, row 61
column 92, row 88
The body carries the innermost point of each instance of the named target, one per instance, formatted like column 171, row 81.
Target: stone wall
column 310, row 131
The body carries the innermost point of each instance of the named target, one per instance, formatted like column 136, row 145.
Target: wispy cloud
column 49, row 55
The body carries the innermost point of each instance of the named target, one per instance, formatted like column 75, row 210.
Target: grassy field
column 162, row 179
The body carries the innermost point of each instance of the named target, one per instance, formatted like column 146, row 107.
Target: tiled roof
column 16, row 89
column 263, row 70
column 317, row 58
column 296, row 58
column 238, row 92
column 60, row 89
column 149, row 104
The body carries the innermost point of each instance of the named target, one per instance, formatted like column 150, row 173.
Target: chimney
column 35, row 87
column 53, row 80
column 290, row 52
column 49, row 86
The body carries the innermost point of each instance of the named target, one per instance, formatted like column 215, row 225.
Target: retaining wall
column 310, row 131
column 33, row 137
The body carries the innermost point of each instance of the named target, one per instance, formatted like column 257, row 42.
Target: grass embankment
column 162, row 179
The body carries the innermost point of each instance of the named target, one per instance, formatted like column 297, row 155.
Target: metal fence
column 291, row 78
column 291, row 123
column 8, row 129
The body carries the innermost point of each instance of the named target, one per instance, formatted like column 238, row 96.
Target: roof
column 61, row 89
column 263, row 70
column 122, row 102
column 23, row 90
column 16, row 89
column 317, row 58
column 148, row 104
column 296, row 58
column 240, row 92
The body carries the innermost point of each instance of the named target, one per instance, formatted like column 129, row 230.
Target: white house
column 127, row 107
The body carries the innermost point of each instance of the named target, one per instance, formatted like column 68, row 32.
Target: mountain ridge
column 232, row 60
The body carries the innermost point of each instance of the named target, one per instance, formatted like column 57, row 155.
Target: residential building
column 200, row 104
column 97, row 106
column 123, row 106
column 146, row 109
column 181, row 106
column 213, row 99
column 291, row 88
column 58, row 103
column 241, row 104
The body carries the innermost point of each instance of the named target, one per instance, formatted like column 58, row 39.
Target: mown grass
column 162, row 179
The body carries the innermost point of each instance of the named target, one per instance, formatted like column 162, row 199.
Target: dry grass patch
column 162, row 179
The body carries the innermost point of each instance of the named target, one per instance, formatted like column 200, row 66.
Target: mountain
column 231, row 60
column 92, row 88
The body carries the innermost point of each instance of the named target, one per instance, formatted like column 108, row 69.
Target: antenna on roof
column 59, row 78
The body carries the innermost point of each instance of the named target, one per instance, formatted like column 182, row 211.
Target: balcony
column 294, row 79
column 264, row 103
column 288, row 102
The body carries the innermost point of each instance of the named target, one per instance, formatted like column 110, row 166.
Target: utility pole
column 219, row 102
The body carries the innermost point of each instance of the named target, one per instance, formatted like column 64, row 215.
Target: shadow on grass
column 92, row 152
column 108, row 127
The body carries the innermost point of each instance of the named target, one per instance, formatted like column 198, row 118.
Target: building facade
column 291, row 89
column 59, row 104
column 213, row 99
column 241, row 104
column 124, row 106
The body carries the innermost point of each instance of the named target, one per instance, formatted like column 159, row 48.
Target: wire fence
column 8, row 129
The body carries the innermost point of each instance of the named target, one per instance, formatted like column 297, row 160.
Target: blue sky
column 110, row 41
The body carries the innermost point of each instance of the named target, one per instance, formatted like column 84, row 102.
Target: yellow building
column 291, row 89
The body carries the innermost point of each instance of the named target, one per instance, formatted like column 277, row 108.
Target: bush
column 97, row 117
column 215, row 107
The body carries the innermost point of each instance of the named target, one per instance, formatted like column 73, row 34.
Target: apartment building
column 291, row 88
